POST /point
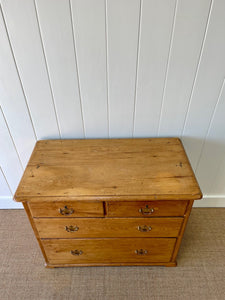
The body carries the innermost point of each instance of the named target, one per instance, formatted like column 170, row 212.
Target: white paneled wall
column 113, row 68
column 56, row 31
column 25, row 41
column 123, row 28
column 156, row 27
column 186, row 41
column 89, row 30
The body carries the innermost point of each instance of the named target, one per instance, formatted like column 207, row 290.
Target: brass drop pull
column 76, row 252
column 71, row 228
column 141, row 252
column 144, row 228
column 66, row 211
column 146, row 210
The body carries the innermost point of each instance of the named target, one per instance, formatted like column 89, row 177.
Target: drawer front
column 66, row 209
column 119, row 227
column 147, row 209
column 78, row 251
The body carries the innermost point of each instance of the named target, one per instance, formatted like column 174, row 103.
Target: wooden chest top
column 127, row 169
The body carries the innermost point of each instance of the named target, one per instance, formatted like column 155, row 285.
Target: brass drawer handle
column 146, row 210
column 144, row 228
column 66, row 211
column 71, row 228
column 141, row 252
column 76, row 252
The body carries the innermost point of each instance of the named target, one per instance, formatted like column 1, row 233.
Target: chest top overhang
column 98, row 169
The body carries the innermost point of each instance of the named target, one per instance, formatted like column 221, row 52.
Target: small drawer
column 66, row 209
column 107, row 227
column 170, row 208
column 127, row 250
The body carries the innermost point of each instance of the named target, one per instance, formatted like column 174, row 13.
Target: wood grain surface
column 109, row 250
column 158, row 168
column 135, row 209
column 108, row 227
column 76, row 209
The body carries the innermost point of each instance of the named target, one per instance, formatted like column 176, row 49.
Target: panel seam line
column 47, row 69
column 3, row 174
column 17, row 70
column 167, row 66
column 198, row 67
column 77, row 72
column 137, row 65
column 107, row 65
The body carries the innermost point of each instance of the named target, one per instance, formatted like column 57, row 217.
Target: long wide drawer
column 109, row 227
column 170, row 208
column 78, row 251
column 66, row 209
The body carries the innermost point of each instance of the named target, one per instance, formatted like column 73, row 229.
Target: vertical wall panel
column 218, row 186
column 214, row 151
column 4, row 188
column 6, row 195
column 155, row 34
column 24, row 35
column 190, row 23
column 13, row 103
column 9, row 160
column 122, row 33
column 57, row 35
column 208, row 83
column 89, row 32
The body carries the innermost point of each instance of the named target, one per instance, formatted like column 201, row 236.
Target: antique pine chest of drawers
column 108, row 201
